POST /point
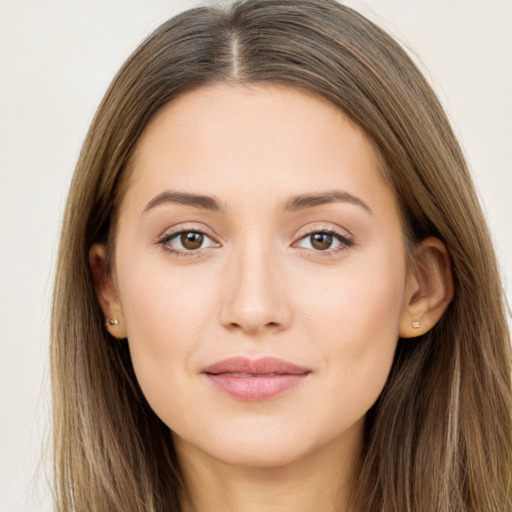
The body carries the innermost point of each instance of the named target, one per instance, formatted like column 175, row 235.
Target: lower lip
column 255, row 388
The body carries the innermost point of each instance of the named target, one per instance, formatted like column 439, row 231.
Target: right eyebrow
column 196, row 200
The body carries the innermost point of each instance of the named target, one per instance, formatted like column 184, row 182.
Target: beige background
column 56, row 60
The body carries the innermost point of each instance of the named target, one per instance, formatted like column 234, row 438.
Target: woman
column 275, row 287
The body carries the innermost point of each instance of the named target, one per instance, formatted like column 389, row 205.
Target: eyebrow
column 294, row 204
column 303, row 201
column 195, row 200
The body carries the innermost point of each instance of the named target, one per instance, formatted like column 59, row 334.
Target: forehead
column 268, row 140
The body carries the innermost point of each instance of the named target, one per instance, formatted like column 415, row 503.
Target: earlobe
column 106, row 292
column 429, row 288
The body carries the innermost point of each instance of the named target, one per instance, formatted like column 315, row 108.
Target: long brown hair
column 439, row 437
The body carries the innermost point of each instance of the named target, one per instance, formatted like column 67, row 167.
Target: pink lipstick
column 253, row 380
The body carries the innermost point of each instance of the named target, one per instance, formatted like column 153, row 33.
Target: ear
column 106, row 293
column 429, row 288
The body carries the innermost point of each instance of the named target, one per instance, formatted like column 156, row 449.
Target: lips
column 253, row 380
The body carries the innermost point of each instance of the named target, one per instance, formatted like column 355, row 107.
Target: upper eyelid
column 184, row 229
column 173, row 234
column 341, row 231
column 301, row 233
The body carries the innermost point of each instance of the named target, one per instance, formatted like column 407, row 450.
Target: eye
column 326, row 241
column 185, row 242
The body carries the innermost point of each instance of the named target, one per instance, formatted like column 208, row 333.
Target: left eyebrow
column 303, row 201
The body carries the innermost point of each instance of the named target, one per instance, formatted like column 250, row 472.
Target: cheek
column 365, row 295
column 355, row 322
column 166, row 317
column 164, row 309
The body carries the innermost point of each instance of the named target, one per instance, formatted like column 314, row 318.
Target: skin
column 262, row 285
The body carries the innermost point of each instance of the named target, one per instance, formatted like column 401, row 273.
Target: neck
column 317, row 481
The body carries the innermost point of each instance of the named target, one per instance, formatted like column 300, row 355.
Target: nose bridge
column 254, row 297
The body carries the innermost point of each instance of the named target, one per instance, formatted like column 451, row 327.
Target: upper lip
column 262, row 366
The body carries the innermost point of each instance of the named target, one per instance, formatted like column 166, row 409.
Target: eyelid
column 187, row 227
column 324, row 228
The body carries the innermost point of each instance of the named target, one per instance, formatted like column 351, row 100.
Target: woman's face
column 295, row 254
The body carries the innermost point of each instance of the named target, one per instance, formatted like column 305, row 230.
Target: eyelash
column 346, row 242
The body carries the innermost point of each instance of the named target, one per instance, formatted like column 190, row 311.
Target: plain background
column 56, row 60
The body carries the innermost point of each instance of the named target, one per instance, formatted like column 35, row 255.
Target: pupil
column 191, row 240
column 322, row 241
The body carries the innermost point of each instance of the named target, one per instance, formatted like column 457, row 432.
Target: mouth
column 254, row 380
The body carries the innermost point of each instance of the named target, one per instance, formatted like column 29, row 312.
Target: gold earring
column 416, row 324
column 112, row 321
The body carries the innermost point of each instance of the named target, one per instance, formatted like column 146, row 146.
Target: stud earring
column 112, row 321
column 416, row 324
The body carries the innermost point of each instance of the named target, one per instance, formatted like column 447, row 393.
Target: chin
column 257, row 456
column 243, row 446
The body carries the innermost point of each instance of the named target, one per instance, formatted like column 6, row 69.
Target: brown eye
column 186, row 243
column 325, row 242
column 191, row 240
column 321, row 241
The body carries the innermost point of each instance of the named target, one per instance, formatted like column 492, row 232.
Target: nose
column 254, row 294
